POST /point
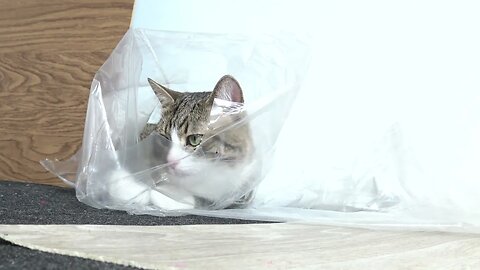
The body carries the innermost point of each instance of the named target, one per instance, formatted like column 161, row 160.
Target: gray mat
column 15, row 257
column 22, row 203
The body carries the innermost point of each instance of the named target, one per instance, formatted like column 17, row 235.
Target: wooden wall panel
column 49, row 52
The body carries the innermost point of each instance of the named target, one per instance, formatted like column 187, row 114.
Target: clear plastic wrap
column 122, row 165
column 378, row 183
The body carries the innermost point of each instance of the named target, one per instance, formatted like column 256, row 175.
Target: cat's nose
column 172, row 163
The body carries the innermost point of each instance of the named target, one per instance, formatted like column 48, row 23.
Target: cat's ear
column 164, row 94
column 228, row 89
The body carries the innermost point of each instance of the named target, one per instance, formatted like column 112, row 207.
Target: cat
column 199, row 154
column 209, row 165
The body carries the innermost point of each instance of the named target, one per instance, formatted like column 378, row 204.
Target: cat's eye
column 194, row 139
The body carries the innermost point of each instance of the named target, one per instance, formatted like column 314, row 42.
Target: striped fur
column 195, row 168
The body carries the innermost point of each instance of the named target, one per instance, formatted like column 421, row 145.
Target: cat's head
column 186, row 122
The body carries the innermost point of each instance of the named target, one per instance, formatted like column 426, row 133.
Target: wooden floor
column 49, row 52
column 258, row 246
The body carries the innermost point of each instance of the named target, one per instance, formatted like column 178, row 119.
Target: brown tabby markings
column 189, row 113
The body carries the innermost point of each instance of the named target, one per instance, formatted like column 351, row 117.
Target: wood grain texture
column 254, row 246
column 49, row 52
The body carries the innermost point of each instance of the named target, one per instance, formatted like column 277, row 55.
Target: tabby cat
column 210, row 169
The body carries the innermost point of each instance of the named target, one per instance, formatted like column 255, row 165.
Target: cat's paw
column 166, row 203
column 125, row 189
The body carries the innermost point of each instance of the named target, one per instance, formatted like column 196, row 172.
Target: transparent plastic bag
column 356, row 175
column 117, row 168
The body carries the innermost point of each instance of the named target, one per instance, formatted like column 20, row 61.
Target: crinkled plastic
column 118, row 169
column 382, row 184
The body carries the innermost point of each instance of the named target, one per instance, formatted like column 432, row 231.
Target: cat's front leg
column 166, row 203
